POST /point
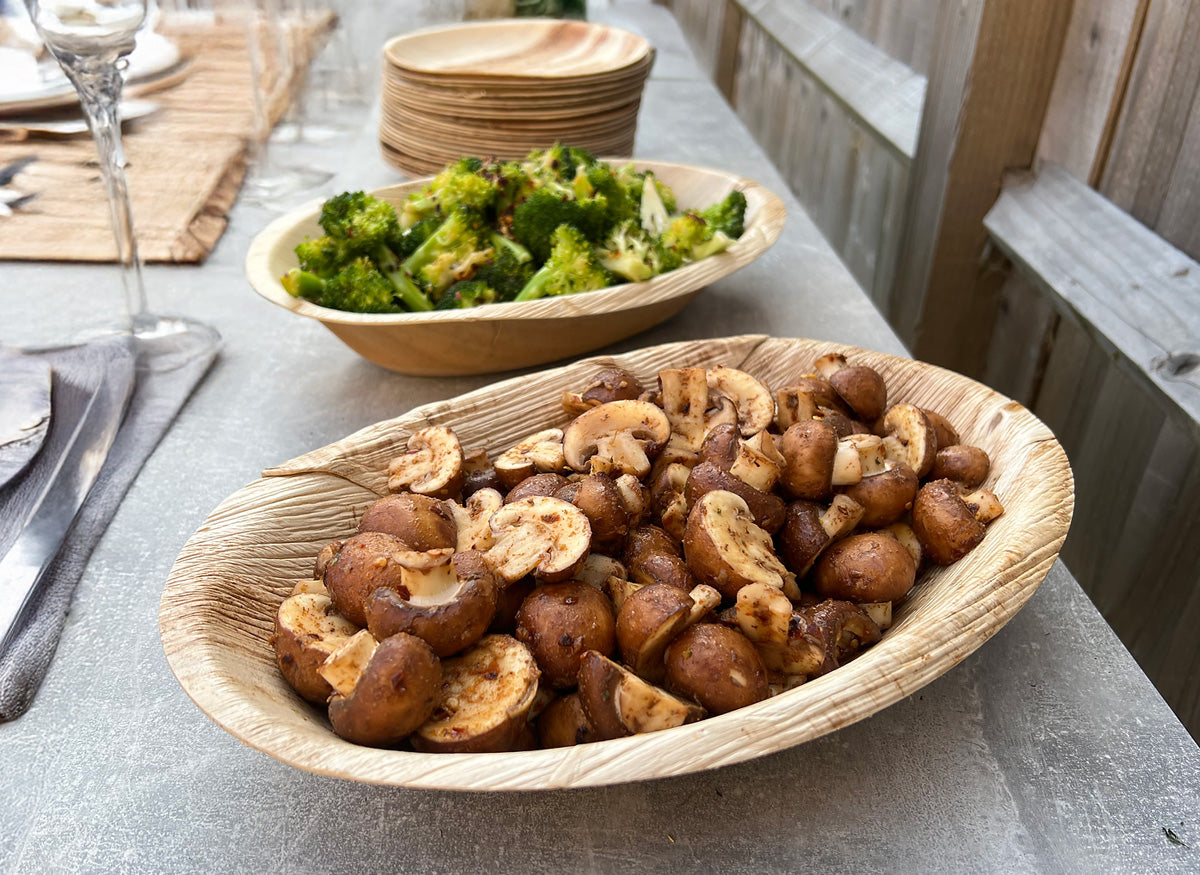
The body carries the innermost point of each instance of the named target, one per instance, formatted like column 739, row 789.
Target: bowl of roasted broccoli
column 493, row 265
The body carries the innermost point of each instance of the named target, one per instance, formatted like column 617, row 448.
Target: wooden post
column 727, row 50
column 994, row 63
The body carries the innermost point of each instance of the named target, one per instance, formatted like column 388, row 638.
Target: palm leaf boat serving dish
column 219, row 604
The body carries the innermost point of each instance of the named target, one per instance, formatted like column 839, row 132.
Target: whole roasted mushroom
column 866, row 567
column 368, row 561
column 559, row 622
column 717, row 667
column 419, row 521
column 948, row 523
column 450, row 610
column 861, row 387
column 609, row 384
column 383, row 690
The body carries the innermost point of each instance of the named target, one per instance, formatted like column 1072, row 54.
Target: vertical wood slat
column 993, row 69
column 1090, row 83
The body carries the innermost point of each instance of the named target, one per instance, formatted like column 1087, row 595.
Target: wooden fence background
column 898, row 127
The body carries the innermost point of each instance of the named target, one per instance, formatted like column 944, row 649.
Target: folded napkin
column 164, row 380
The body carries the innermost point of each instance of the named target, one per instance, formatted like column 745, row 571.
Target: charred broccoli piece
column 507, row 273
column 537, row 217
column 572, row 267
column 690, row 238
column 727, row 215
column 358, row 287
column 467, row 293
column 633, row 254
column 453, row 252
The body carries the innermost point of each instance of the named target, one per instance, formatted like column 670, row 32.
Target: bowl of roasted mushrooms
column 632, row 567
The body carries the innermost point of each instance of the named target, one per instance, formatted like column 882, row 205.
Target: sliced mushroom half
column 752, row 400
column 620, row 437
column 539, row 453
column 726, row 549
column 431, row 465
column 307, row 631
column 540, row 535
column 486, row 696
column 619, row 703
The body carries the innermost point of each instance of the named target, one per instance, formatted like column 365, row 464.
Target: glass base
column 266, row 186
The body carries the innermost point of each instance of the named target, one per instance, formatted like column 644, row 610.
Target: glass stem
column 99, row 87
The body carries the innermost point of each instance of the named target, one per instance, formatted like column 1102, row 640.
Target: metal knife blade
column 24, row 412
column 23, row 567
column 9, row 172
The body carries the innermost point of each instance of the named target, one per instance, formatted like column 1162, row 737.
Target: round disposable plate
column 219, row 603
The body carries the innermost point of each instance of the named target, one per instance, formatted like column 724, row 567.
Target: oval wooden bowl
column 499, row 337
column 220, row 600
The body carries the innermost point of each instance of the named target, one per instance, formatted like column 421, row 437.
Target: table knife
column 23, row 567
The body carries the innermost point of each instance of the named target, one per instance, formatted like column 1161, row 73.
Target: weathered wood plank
column 992, row 74
column 1021, row 338
column 1101, row 42
column 1136, row 294
column 883, row 94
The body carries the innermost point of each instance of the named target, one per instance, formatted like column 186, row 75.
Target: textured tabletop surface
column 1045, row 751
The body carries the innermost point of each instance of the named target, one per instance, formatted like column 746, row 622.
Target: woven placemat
column 185, row 163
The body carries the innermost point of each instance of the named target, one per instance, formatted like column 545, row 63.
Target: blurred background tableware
column 506, row 87
column 91, row 40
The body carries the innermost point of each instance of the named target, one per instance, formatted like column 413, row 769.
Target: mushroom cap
column 565, row 723
column 862, row 389
column 420, row 521
column 945, row 526
column 558, row 622
column 449, row 619
column 886, row 496
column 867, row 567
column 619, row 437
column 649, row 619
column 396, row 692
column 947, row 434
column 600, row 500
column 364, row 563
column 609, row 384
column 545, row 483
column 964, row 464
column 716, row 666
column 803, row 537
column 431, row 465
column 808, row 450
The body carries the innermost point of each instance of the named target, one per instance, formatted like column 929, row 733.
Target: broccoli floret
column 631, row 253
column 537, row 217
column 557, row 165
column 358, row 287
column 690, row 238
column 572, row 267
column 363, row 225
column 450, row 253
column 406, row 242
column 728, row 215
column 654, row 212
column 467, row 293
column 507, row 272
column 599, row 179
column 323, row 256
column 462, row 185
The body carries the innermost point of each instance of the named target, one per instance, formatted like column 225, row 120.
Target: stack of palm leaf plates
column 507, row 87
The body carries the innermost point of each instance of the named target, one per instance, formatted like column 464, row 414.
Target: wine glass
column 91, row 40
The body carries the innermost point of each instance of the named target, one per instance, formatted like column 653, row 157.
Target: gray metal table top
column 1045, row 751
